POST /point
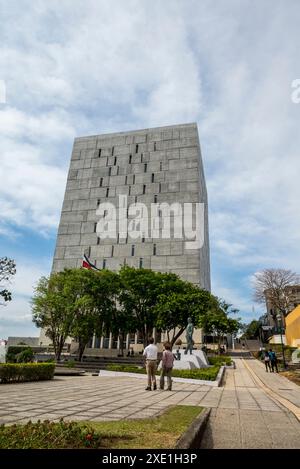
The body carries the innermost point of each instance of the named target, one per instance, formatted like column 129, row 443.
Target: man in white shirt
column 150, row 353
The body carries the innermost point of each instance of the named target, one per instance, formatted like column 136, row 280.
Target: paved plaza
column 243, row 414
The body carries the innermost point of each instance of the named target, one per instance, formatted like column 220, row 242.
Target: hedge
column 18, row 372
column 209, row 374
column 220, row 360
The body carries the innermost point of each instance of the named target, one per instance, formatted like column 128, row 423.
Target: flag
column 86, row 263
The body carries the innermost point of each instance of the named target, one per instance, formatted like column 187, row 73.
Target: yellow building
column 292, row 330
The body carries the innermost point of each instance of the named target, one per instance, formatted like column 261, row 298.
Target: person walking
column 166, row 367
column 267, row 361
column 273, row 360
column 150, row 353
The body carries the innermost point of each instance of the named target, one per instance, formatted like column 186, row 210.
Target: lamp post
column 279, row 320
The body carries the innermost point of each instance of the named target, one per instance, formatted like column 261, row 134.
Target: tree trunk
column 176, row 336
column 81, row 347
column 58, row 347
column 121, row 340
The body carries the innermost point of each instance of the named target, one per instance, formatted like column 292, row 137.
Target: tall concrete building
column 151, row 166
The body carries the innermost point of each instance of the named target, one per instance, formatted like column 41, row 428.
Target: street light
column 279, row 320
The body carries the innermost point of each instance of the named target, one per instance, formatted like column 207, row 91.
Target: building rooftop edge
column 129, row 132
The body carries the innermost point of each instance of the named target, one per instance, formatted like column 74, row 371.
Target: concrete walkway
column 243, row 415
column 258, row 420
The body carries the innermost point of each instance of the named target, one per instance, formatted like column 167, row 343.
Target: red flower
column 89, row 437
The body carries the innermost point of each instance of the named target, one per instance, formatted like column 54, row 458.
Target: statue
column 189, row 337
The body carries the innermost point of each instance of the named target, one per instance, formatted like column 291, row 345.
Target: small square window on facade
column 144, row 189
column 125, row 180
column 98, row 240
column 101, row 182
column 155, row 199
column 107, row 192
column 141, row 263
column 129, row 190
column 145, row 167
column 98, row 202
column 132, row 249
column 104, row 264
column 133, row 179
column 95, row 227
column 109, row 171
column 118, row 238
column 154, row 146
column 142, row 157
column 143, row 239
column 99, row 153
column 130, row 159
column 159, row 187
column 115, row 161
column 152, row 177
column 136, row 148
column 112, row 251
column 160, row 166
column 112, row 151
column 118, row 169
column 154, row 249
column 135, row 199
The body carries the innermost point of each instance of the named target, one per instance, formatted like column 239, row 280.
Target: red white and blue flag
column 86, row 263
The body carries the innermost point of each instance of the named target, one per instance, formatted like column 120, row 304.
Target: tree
column 51, row 309
column 138, row 297
column 180, row 301
column 270, row 285
column 217, row 320
column 7, row 270
column 251, row 330
column 80, row 287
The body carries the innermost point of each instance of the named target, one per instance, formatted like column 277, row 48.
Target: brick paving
column 243, row 415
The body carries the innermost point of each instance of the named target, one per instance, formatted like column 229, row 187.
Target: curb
column 192, row 437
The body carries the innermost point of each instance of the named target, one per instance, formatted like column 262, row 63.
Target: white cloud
column 76, row 68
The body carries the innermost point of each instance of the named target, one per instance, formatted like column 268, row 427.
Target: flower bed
column 47, row 435
column 20, row 372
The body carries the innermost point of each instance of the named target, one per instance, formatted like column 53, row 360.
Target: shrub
column 70, row 364
column 220, row 360
column 48, row 435
column 18, row 372
column 13, row 351
column 26, row 356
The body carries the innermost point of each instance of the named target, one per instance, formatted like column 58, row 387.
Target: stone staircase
column 95, row 364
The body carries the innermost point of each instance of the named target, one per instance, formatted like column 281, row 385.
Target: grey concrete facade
column 149, row 166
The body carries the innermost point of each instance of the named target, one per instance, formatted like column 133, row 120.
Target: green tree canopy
column 52, row 310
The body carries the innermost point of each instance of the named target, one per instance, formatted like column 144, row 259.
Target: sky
column 71, row 68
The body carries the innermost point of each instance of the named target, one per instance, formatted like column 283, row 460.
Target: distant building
column 30, row 341
column 151, row 167
column 292, row 330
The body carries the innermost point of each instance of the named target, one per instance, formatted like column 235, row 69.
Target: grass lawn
column 157, row 432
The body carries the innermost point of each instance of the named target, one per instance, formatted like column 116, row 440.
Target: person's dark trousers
column 274, row 365
column 268, row 368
